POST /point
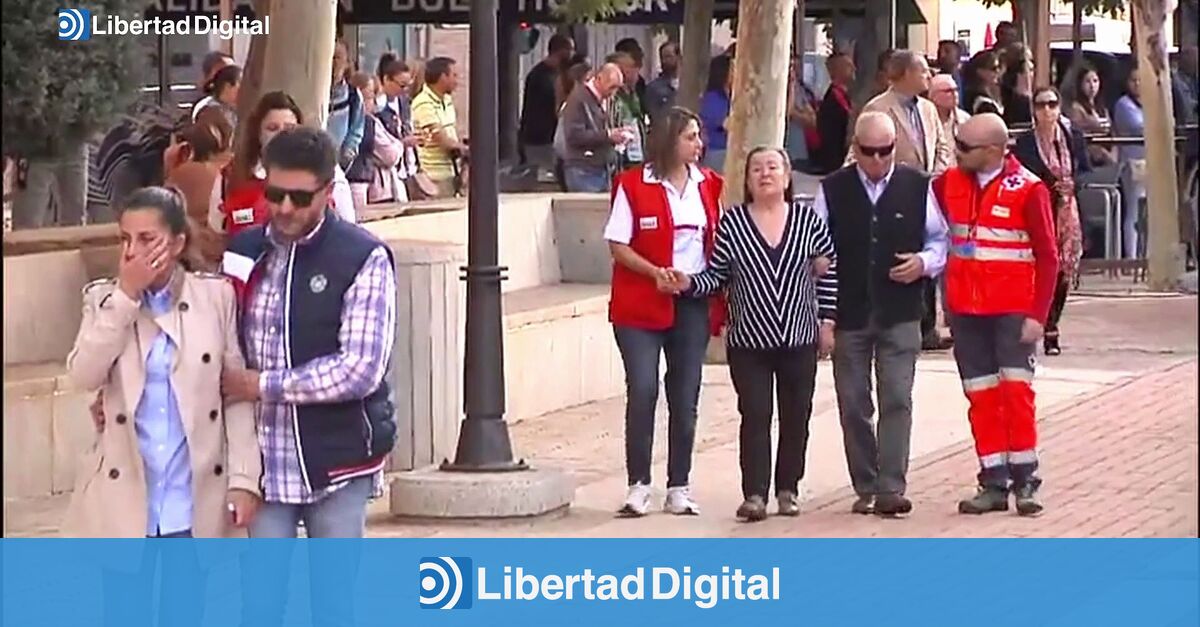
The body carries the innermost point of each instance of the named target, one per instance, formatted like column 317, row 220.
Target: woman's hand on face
column 242, row 506
column 139, row 269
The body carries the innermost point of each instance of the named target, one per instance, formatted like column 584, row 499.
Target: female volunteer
column 237, row 201
column 171, row 458
column 1057, row 153
column 769, row 252
column 663, row 216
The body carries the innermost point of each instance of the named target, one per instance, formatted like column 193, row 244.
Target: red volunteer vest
column 636, row 301
column 243, row 205
column 990, row 269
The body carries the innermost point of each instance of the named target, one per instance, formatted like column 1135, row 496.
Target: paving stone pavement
column 1118, row 415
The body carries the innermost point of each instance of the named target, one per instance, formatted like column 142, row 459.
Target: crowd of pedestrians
column 240, row 353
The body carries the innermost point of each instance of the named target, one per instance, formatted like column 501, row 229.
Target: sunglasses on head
column 876, row 151
column 1045, row 104
column 300, row 197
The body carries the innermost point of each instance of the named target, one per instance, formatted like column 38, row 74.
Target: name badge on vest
column 648, row 223
column 243, row 216
column 1001, row 212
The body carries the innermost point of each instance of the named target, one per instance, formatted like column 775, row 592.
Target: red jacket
column 636, row 301
column 1003, row 255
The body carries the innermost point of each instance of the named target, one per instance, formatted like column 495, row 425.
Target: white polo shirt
column 687, row 212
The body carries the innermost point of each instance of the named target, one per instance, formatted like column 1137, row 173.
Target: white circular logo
column 318, row 283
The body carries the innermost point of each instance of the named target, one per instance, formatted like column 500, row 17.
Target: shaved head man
column 982, row 143
column 889, row 236
column 1000, row 281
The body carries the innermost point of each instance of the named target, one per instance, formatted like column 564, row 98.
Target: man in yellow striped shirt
column 435, row 123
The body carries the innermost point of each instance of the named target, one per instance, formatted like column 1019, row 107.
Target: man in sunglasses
column 921, row 143
column 890, row 235
column 318, row 308
column 1000, row 281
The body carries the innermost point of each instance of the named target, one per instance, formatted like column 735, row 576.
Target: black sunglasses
column 964, row 147
column 876, row 151
column 1045, row 104
column 300, row 197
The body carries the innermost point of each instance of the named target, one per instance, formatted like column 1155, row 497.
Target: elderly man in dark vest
column 317, row 324
column 889, row 235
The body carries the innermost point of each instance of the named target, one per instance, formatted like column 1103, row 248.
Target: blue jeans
column 684, row 345
column 586, row 179
column 333, row 564
column 342, row 514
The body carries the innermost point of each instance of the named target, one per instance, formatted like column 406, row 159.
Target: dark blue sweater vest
column 337, row 441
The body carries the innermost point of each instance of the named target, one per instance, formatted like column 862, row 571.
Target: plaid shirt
column 365, row 336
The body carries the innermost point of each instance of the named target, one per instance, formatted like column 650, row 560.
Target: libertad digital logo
column 74, row 24
column 446, row 583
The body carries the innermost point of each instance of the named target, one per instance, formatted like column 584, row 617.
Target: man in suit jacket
column 921, row 144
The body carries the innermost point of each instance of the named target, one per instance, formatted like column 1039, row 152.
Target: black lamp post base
column 484, row 446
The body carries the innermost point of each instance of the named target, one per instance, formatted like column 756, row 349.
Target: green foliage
column 1090, row 7
column 591, row 10
column 57, row 93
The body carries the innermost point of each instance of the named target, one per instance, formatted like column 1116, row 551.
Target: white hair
column 874, row 120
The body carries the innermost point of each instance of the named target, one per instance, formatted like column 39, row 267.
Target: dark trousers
column 755, row 373
column 877, row 457
column 129, row 598
column 1057, row 306
column 684, row 345
column 929, row 320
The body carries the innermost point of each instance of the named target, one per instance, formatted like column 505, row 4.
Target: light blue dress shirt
column 161, row 438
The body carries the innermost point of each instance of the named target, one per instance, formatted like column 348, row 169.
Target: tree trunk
column 696, row 49
column 299, row 55
column 1164, row 250
column 252, row 72
column 760, row 85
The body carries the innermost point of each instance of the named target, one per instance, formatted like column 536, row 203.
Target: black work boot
column 1027, row 501
column 986, row 499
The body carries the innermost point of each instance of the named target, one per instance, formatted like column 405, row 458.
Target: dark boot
column 1027, row 501
column 863, row 505
column 986, row 499
column 1050, row 344
column 753, row 509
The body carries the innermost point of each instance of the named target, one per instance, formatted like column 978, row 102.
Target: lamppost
column 483, row 442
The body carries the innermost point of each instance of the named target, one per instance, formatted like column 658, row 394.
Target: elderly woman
column 1056, row 152
column 171, row 457
column 767, row 252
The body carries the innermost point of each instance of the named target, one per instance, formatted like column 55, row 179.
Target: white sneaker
column 680, row 503
column 637, row 502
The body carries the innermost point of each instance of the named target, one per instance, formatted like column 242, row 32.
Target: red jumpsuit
column 1001, row 270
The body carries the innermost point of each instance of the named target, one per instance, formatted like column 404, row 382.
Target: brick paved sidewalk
column 1121, row 463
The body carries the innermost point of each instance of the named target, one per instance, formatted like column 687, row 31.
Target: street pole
column 483, row 442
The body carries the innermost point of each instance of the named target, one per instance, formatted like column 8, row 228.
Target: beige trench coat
column 110, row 355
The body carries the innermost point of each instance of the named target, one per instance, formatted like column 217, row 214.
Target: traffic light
column 527, row 37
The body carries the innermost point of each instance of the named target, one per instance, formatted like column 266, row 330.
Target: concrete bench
column 46, row 430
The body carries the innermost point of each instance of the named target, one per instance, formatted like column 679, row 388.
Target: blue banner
column 262, row 583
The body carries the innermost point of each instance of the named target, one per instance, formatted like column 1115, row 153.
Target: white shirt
column 687, row 212
column 343, row 199
column 986, row 177
column 937, row 233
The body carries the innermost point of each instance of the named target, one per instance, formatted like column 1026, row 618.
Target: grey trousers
column 877, row 457
column 66, row 178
